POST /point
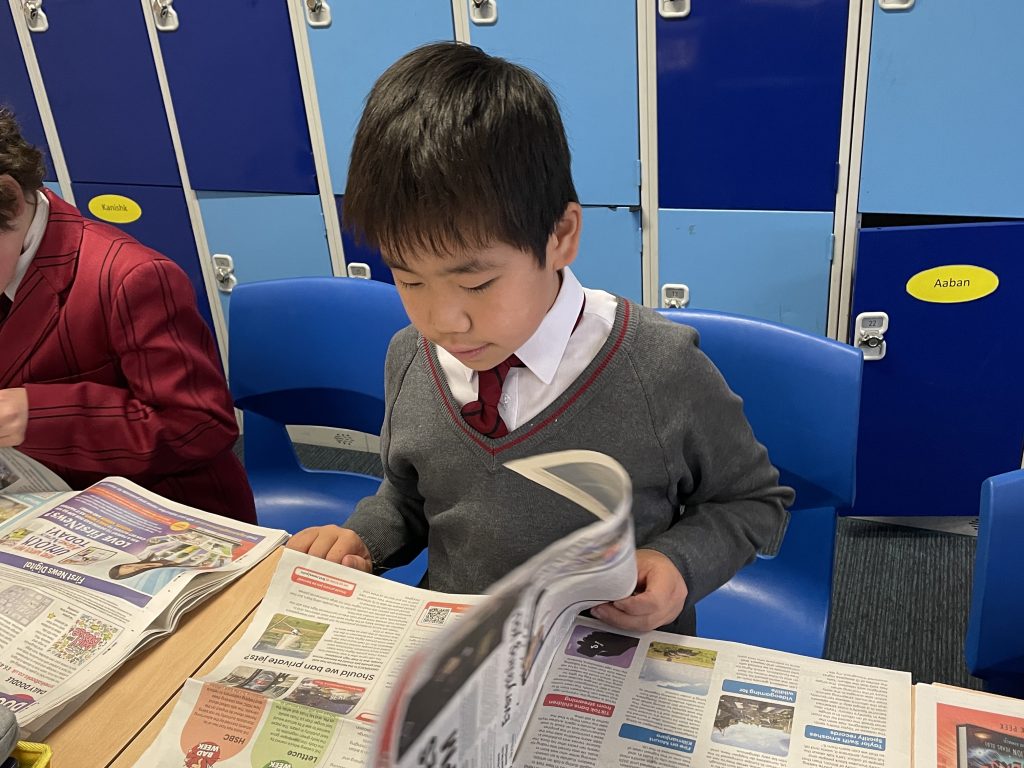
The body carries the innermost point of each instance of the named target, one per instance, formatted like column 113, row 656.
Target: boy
column 460, row 174
column 106, row 367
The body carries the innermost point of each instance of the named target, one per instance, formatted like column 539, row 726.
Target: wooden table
column 118, row 723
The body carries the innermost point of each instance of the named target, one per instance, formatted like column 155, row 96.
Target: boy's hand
column 661, row 593
column 334, row 543
column 13, row 416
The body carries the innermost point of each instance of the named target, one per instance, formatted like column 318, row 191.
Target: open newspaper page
column 21, row 474
column 87, row 578
column 467, row 698
column 958, row 728
column 308, row 681
column 625, row 700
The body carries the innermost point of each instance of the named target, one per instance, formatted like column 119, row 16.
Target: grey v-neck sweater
column 704, row 492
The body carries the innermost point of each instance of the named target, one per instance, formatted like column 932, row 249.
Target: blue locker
column 943, row 409
column 234, row 82
column 769, row 264
column 101, row 83
column 945, row 111
column 16, row 89
column 749, row 105
column 164, row 226
column 360, row 252
column 268, row 236
column 587, row 54
column 610, row 252
column 365, row 37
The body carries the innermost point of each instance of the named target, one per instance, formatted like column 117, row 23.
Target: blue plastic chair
column 995, row 627
column 801, row 394
column 310, row 351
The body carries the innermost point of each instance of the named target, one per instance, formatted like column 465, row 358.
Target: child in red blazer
column 106, row 367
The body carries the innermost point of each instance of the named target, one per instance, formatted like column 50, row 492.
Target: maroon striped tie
column 482, row 414
column 5, row 306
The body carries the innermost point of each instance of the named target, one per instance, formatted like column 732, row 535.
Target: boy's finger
column 301, row 540
column 357, row 562
column 641, row 603
column 609, row 614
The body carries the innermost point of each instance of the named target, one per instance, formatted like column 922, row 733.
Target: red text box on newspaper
column 323, row 582
column 577, row 704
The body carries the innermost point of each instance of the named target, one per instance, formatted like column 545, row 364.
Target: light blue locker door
column 102, row 86
column 16, row 89
column 943, row 409
column 610, row 248
column 769, row 264
column 164, row 225
column 587, row 53
column 365, row 37
column 267, row 236
column 945, row 110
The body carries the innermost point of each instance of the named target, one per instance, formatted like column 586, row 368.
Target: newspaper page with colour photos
column 958, row 728
column 87, row 578
column 311, row 678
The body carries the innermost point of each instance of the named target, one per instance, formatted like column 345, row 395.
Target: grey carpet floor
column 899, row 596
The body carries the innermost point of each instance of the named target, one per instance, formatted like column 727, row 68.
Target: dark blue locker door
column 361, row 253
column 943, row 409
column 234, row 83
column 164, row 225
column 16, row 89
column 749, row 105
column 103, row 91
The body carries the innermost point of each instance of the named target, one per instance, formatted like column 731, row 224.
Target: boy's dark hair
column 20, row 160
column 457, row 149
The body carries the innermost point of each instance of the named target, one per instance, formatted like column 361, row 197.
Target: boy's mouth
column 464, row 353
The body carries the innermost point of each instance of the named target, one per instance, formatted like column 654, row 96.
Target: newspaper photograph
column 957, row 728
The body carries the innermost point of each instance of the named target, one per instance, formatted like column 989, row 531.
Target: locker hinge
column 639, row 172
column 831, row 248
column 835, row 181
column 640, row 239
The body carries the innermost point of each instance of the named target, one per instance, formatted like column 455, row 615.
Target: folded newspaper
column 341, row 669
column 89, row 578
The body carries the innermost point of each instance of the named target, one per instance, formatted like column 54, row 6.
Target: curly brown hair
column 21, row 161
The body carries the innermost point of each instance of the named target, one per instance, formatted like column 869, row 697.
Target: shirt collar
column 33, row 238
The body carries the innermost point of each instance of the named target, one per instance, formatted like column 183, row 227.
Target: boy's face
column 483, row 305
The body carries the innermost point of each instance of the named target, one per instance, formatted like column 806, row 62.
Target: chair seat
column 783, row 602
column 321, row 498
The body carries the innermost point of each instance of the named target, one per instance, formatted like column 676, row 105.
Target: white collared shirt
column 33, row 238
column 553, row 357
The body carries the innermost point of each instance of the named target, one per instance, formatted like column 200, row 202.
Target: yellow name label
column 952, row 284
column 117, row 209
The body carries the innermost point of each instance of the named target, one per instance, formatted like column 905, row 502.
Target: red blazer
column 120, row 369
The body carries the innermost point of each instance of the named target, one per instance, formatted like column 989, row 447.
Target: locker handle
column 895, row 5
column 674, row 9
column 318, row 14
column 165, row 17
column 483, row 12
column 35, row 19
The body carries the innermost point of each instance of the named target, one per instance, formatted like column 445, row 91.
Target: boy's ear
column 11, row 196
column 564, row 242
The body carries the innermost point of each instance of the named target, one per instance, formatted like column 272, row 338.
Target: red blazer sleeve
column 173, row 414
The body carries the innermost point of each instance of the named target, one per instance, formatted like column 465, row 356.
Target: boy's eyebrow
column 470, row 266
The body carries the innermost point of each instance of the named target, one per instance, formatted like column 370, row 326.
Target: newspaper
column 88, row 578
column 342, row 669
column 957, row 728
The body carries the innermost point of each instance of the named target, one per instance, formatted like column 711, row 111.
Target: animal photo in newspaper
column 600, row 645
column 9, row 507
column 760, row 726
column 291, row 636
column 679, row 668
column 266, row 682
column 8, row 476
column 328, row 695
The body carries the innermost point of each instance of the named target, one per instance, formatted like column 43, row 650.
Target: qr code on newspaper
column 436, row 616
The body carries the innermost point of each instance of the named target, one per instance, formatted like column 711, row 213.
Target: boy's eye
column 479, row 288
column 409, row 285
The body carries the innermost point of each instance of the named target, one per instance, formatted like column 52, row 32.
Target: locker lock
column 35, row 19
column 318, row 14
column 483, row 12
column 224, row 272
column 869, row 334
column 164, row 16
column 675, row 296
column 674, row 9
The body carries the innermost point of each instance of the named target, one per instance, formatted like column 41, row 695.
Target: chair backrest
column 995, row 628
column 311, row 350
column 801, row 394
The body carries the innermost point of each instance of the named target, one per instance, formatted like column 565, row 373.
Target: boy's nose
column 449, row 317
